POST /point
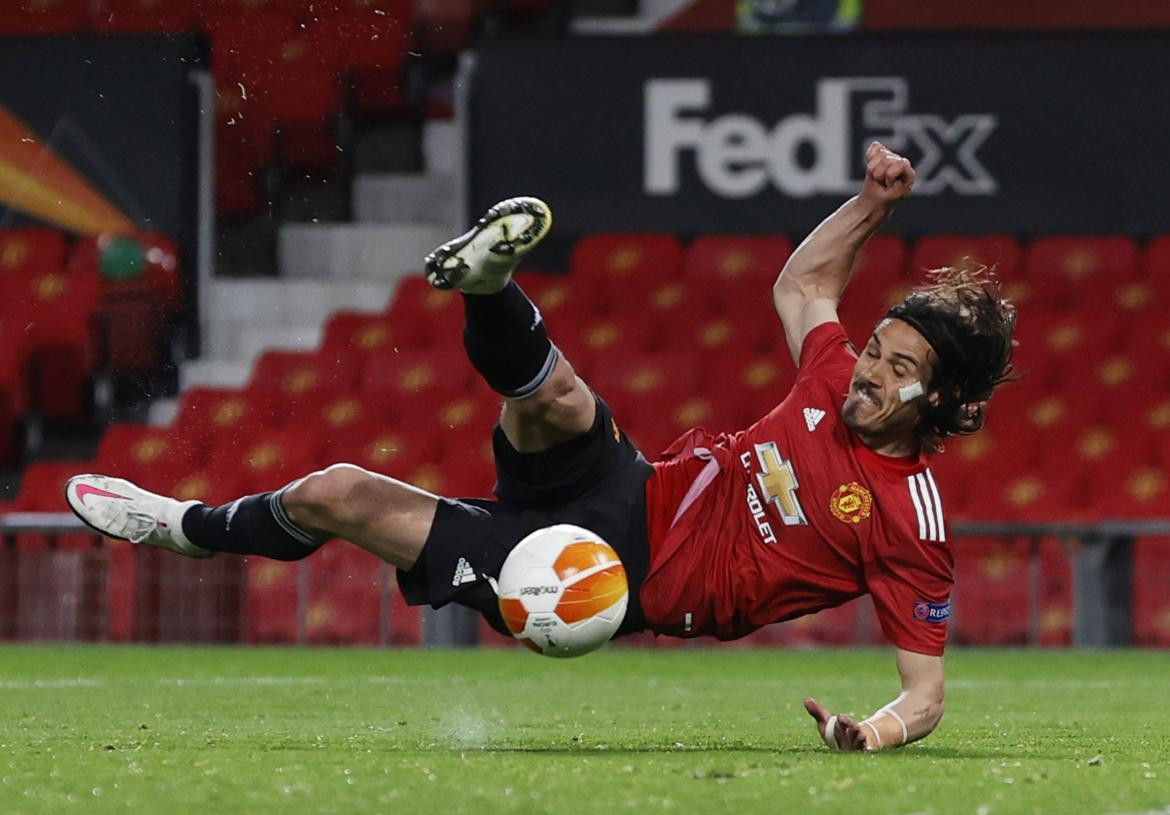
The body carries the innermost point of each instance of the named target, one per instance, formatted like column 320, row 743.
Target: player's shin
column 507, row 342
column 252, row 525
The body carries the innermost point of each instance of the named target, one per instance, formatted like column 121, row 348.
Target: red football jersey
column 794, row 515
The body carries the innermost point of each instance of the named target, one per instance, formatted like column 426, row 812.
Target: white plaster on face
column 911, row 391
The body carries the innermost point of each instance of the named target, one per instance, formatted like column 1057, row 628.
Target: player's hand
column 846, row 734
column 888, row 176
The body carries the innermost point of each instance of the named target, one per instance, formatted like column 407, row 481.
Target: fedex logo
column 736, row 155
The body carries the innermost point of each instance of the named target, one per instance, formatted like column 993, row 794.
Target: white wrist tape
column 901, row 721
column 873, row 729
column 830, row 734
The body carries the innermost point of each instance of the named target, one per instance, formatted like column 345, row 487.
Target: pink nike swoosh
column 85, row 489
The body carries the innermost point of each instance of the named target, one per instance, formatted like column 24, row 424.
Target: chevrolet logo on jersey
column 777, row 486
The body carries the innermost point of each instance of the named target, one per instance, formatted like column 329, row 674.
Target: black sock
column 252, row 525
column 507, row 341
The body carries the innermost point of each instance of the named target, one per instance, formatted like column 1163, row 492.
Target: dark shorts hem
column 596, row 480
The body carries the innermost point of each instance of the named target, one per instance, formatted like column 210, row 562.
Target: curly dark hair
column 969, row 324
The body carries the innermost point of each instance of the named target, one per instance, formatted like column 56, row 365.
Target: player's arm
column 815, row 276
column 912, row 716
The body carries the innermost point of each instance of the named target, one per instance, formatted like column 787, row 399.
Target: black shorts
column 596, row 480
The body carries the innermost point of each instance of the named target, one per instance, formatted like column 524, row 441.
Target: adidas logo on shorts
column 463, row 573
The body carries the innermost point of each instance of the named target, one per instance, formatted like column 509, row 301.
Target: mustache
column 865, row 390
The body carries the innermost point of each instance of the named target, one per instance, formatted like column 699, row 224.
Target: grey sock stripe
column 533, row 386
column 301, row 535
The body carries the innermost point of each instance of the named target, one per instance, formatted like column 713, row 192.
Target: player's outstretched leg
column 378, row 513
column 504, row 334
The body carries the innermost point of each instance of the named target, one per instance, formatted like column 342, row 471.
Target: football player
column 827, row 497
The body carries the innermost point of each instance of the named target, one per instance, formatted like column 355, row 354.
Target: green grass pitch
column 220, row 730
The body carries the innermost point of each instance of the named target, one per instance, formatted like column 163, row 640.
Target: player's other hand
column 888, row 176
column 846, row 734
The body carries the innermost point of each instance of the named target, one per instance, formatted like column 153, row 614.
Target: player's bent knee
column 562, row 389
column 324, row 498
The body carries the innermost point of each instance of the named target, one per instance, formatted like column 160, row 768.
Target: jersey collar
column 894, row 465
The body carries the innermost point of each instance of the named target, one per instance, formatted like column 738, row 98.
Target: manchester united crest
column 851, row 503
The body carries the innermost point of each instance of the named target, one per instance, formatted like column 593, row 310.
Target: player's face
column 893, row 363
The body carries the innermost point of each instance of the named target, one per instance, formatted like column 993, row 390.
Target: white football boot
column 482, row 260
column 119, row 509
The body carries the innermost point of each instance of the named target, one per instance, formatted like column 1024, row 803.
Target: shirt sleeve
column 827, row 355
column 912, row 596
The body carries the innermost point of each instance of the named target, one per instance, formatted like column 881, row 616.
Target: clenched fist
column 888, row 176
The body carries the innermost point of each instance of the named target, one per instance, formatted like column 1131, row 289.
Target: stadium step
column 248, row 341
column 162, row 412
column 350, row 251
column 270, row 302
column 405, row 198
column 442, row 145
column 212, row 372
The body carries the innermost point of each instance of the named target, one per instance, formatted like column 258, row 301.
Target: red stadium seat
column 269, row 459
column 643, row 376
column 399, row 10
column 1000, row 252
column 665, row 301
column 883, row 257
column 134, row 311
column 1130, row 490
column 296, row 374
column 879, row 281
column 345, row 594
column 1068, row 270
column 654, row 424
column 336, row 412
column 444, row 26
column 1055, row 419
column 208, row 415
column 42, row 485
column 56, row 311
column 14, row 393
column 268, row 69
column 150, row 456
column 373, row 51
column 143, row 16
column 212, row 488
column 42, row 17
column 602, row 337
column 1151, row 600
column 1028, row 494
column 416, row 375
column 760, row 382
column 468, row 476
column 31, row 250
column 1128, row 381
column 358, row 333
column 731, row 263
column 389, row 449
column 833, row 626
column 720, row 336
column 271, row 600
column 618, row 267
column 990, row 598
column 249, row 8
column 1051, row 342
column 459, row 421
column 159, row 275
column 1156, row 259
column 424, row 317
